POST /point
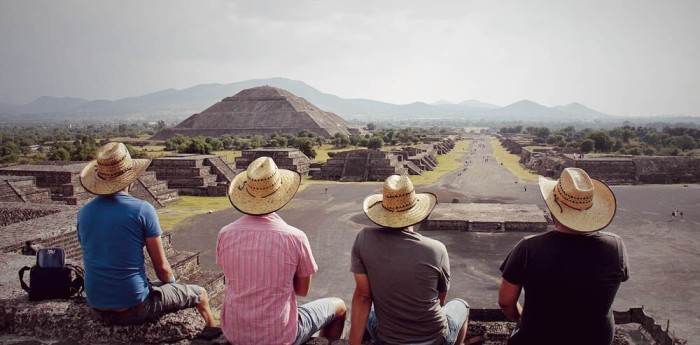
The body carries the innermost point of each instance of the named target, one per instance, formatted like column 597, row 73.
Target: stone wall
column 361, row 165
column 197, row 175
column 289, row 159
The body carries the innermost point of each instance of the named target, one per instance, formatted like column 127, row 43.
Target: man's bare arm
column 154, row 246
column 302, row 285
column 361, row 304
column 508, row 300
column 442, row 296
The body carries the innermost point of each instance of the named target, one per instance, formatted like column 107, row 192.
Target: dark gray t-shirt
column 406, row 271
column 570, row 282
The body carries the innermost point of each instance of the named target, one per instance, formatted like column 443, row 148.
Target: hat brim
column 246, row 203
column 593, row 219
column 94, row 184
column 375, row 211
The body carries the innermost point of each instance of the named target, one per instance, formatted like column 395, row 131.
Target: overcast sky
column 621, row 57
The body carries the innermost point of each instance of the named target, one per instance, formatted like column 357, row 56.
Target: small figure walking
column 681, row 213
column 524, row 188
column 326, row 190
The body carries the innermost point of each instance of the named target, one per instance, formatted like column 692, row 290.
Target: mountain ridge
column 173, row 103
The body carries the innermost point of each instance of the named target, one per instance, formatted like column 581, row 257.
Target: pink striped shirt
column 260, row 256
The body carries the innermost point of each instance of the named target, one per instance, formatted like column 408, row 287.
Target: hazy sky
column 622, row 57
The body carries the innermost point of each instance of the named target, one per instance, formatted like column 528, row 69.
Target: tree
column 375, row 143
column 306, row 146
column 59, row 154
column 195, row 145
column 603, row 142
column 371, row 126
column 587, row 146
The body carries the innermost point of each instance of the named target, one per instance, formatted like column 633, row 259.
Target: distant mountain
column 171, row 104
column 475, row 103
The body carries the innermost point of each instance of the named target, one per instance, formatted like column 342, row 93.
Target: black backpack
column 51, row 277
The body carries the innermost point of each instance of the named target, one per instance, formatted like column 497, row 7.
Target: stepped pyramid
column 263, row 110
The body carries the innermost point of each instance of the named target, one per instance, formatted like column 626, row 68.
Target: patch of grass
column 510, row 162
column 142, row 137
column 189, row 206
column 322, row 152
column 446, row 163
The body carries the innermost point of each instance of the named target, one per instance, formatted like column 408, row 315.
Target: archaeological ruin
column 486, row 218
column 62, row 182
column 361, row 165
column 194, row 174
column 611, row 169
column 285, row 158
column 263, row 110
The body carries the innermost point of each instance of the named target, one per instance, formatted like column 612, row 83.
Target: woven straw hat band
column 399, row 194
column 113, row 160
column 263, row 179
column 575, row 190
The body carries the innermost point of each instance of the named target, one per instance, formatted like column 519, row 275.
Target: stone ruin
column 285, row 158
column 54, row 226
column 194, row 174
column 514, row 143
column 263, row 110
column 423, row 157
column 361, row 165
column 442, row 144
column 486, row 218
column 610, row 169
column 62, row 180
column 23, row 189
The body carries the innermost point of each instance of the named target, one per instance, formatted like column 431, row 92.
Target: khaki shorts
column 161, row 300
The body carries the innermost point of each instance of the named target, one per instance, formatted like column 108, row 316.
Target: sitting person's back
column 113, row 229
column 570, row 275
column 402, row 277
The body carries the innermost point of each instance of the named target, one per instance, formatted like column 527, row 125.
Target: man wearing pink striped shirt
column 267, row 262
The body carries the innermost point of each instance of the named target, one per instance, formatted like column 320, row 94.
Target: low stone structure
column 22, row 189
column 361, row 165
column 486, row 218
column 639, row 169
column 285, row 158
column 423, row 156
column 514, row 143
column 62, row 180
column 194, row 174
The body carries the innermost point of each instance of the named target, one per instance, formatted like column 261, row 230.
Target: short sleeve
column 307, row 265
column 149, row 221
column 513, row 267
column 356, row 264
column 444, row 281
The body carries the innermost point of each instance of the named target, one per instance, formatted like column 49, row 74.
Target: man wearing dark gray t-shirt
column 570, row 275
column 402, row 277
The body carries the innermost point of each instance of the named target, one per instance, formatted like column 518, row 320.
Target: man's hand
column 361, row 304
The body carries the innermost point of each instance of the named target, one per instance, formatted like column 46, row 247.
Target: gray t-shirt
column 406, row 271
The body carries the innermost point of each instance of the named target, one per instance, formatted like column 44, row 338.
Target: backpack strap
column 77, row 285
column 25, row 287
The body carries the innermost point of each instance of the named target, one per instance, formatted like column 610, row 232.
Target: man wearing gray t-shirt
column 402, row 277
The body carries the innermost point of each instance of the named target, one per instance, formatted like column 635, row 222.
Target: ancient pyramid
column 261, row 110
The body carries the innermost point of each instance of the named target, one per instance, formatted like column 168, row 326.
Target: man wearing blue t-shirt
column 113, row 229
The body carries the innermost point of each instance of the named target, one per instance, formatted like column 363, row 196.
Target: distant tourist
column 402, row 277
column 267, row 262
column 113, row 229
column 570, row 275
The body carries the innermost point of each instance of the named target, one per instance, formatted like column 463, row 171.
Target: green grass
column 446, row 163
column 189, row 206
column 142, row 137
column 511, row 162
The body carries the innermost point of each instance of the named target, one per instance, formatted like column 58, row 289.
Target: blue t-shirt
column 112, row 231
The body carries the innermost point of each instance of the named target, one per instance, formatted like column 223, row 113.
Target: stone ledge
column 75, row 321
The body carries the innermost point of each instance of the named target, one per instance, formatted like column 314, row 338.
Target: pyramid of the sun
column 261, row 110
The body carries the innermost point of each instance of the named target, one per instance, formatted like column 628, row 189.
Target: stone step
column 183, row 263
column 212, row 281
column 187, row 182
column 157, row 186
column 168, row 196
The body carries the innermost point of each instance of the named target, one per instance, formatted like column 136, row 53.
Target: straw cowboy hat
column 399, row 205
column 112, row 171
column 579, row 202
column 263, row 188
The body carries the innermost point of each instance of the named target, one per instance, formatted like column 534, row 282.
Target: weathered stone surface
column 194, row 174
column 285, row 158
column 361, row 165
column 486, row 217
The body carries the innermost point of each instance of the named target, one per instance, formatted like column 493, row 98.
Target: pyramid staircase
column 23, row 189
